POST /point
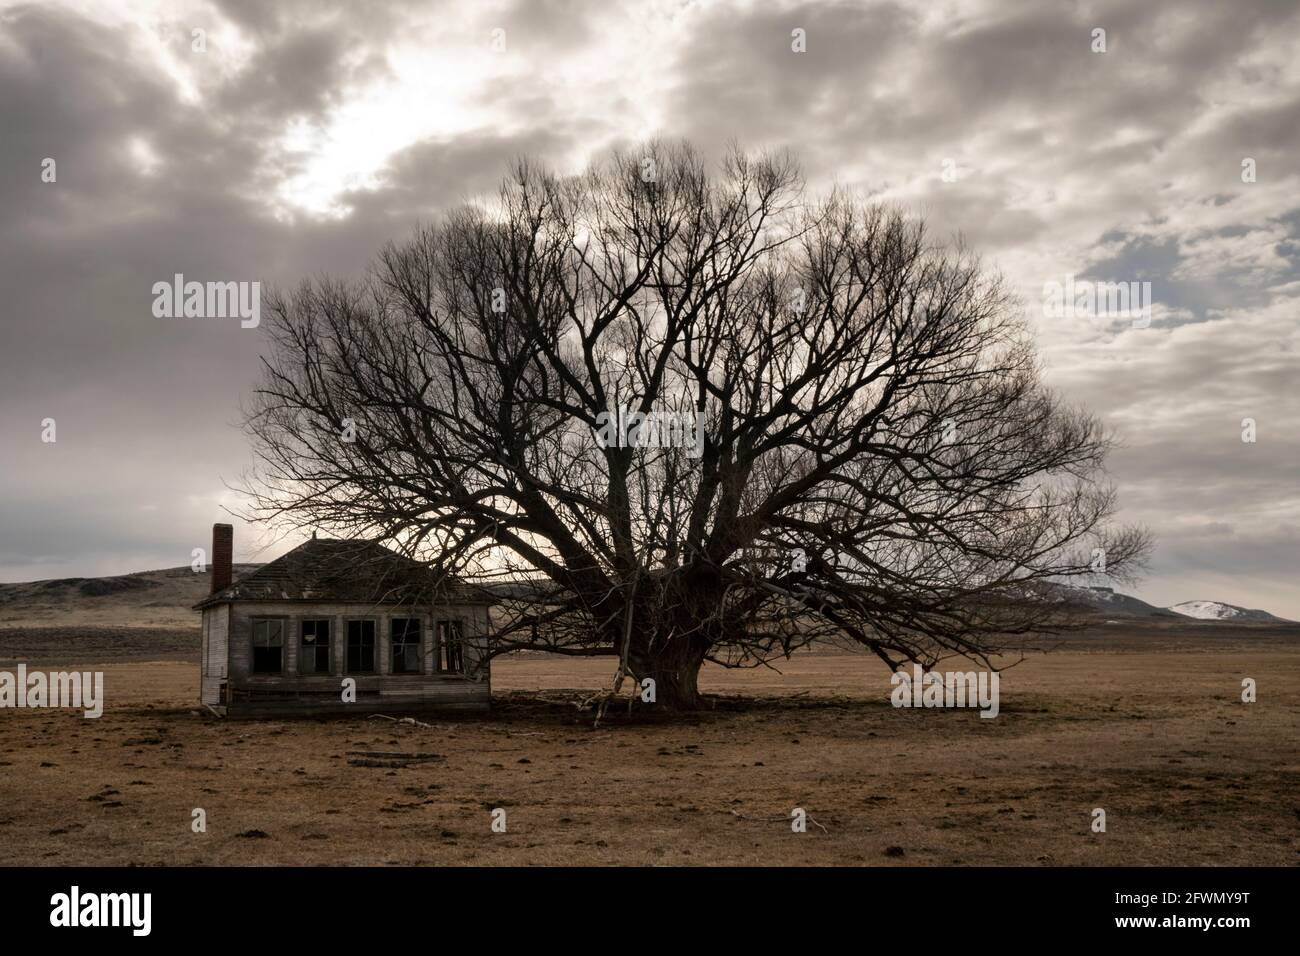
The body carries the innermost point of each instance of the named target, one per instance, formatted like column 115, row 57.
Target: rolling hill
column 151, row 599
column 161, row 601
column 1219, row 611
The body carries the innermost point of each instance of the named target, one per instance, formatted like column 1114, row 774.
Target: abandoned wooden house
column 283, row 639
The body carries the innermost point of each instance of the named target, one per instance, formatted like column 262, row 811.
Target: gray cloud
column 1116, row 166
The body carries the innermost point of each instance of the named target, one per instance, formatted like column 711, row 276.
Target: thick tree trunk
column 675, row 670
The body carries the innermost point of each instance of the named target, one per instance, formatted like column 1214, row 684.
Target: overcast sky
column 303, row 135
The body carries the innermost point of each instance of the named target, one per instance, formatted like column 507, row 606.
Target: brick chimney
column 223, row 547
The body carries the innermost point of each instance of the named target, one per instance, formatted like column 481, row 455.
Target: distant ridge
column 1103, row 600
column 1111, row 603
column 150, row 599
column 164, row 599
column 1219, row 611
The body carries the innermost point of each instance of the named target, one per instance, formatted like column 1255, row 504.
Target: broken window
column 314, row 654
column 268, row 645
column 406, row 645
column 361, row 647
column 452, row 647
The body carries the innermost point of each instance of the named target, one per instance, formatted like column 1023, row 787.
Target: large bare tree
column 691, row 415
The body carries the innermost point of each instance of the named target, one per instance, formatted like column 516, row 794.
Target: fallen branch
column 403, row 720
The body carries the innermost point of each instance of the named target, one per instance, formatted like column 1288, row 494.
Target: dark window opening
column 361, row 647
column 452, row 647
column 314, row 655
column 268, row 646
column 406, row 645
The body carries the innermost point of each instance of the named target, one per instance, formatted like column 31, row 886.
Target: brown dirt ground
column 1150, row 729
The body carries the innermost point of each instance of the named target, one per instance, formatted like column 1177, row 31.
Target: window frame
column 374, row 645
column 329, row 646
column 393, row 646
column 254, row 623
column 444, row 628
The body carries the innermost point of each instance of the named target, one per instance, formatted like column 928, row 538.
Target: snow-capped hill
column 1218, row 611
column 1111, row 603
column 1108, row 600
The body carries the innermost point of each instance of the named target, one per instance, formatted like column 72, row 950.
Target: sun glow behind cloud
column 444, row 79
column 430, row 92
column 441, row 77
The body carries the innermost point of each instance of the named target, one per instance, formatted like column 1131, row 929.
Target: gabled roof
column 346, row 571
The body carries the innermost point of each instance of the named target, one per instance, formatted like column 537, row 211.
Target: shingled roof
column 351, row 572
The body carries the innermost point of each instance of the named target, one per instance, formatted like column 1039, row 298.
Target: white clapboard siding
column 252, row 694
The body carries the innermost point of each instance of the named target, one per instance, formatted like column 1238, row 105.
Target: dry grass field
column 1146, row 723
